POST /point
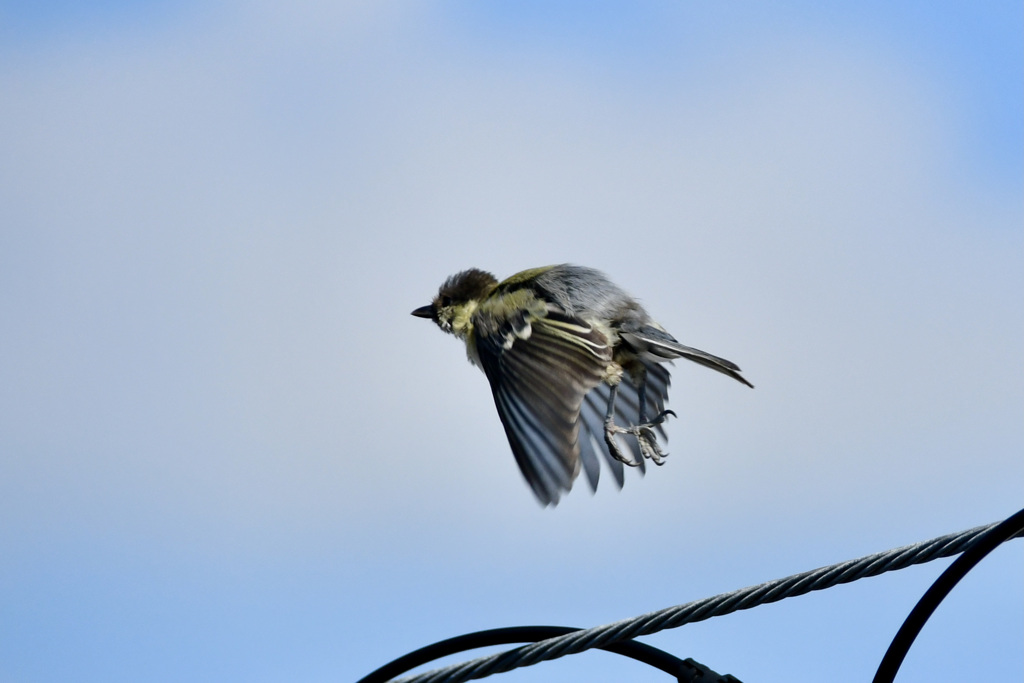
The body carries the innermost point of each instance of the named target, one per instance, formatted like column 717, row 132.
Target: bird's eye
column 446, row 301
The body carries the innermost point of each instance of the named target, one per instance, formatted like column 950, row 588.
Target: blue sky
column 227, row 452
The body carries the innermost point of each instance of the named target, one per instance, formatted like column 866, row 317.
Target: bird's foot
column 645, row 436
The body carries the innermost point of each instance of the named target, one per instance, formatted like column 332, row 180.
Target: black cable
column 1009, row 528
column 561, row 641
column 698, row 610
column 683, row 670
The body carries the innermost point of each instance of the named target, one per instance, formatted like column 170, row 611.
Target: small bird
column 556, row 344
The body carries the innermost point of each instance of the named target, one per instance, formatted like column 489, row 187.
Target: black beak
column 424, row 311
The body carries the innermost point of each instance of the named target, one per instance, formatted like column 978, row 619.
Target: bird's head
column 456, row 300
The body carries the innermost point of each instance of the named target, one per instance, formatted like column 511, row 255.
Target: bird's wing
column 627, row 413
column 540, row 368
column 660, row 345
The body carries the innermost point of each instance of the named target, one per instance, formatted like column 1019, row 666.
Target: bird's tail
column 661, row 346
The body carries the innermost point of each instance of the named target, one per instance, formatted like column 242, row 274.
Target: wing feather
column 592, row 433
column 545, row 374
column 540, row 370
column 543, row 473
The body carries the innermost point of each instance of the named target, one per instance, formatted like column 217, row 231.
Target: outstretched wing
column 540, row 369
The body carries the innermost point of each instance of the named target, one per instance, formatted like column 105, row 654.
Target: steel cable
column 706, row 608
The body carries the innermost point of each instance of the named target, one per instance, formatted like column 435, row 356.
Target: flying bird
column 576, row 367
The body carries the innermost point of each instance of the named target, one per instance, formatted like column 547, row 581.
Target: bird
column 575, row 366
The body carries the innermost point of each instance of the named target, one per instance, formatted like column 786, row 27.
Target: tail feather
column 662, row 346
column 714, row 362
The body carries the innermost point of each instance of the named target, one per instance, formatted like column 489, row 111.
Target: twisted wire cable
column 699, row 610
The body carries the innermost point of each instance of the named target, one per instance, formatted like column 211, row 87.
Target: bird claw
column 610, row 430
column 645, row 436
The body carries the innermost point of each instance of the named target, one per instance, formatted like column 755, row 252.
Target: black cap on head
column 465, row 286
